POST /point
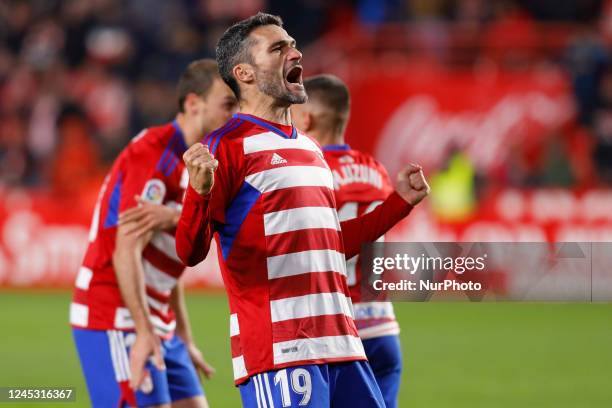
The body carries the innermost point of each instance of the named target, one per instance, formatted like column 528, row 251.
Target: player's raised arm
column 194, row 230
column 411, row 189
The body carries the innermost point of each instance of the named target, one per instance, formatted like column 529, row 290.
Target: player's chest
column 276, row 160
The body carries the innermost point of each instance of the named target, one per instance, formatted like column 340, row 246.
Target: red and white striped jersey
column 150, row 166
column 281, row 250
column 361, row 184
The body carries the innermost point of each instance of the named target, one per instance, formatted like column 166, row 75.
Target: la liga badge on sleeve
column 154, row 191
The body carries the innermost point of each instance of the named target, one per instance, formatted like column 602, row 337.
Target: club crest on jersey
column 154, row 191
column 277, row 159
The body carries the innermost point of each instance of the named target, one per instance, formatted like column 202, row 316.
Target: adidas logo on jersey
column 276, row 159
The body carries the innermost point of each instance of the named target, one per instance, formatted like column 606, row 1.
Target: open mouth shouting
column 293, row 78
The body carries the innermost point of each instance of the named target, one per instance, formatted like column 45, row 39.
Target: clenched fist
column 201, row 166
column 411, row 184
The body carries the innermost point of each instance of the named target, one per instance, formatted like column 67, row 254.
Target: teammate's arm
column 194, row 230
column 147, row 216
column 183, row 330
column 127, row 261
column 411, row 188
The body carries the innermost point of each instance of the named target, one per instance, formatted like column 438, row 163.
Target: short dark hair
column 197, row 78
column 233, row 46
column 333, row 95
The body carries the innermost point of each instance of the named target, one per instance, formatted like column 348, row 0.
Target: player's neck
column 264, row 108
column 327, row 138
column 191, row 133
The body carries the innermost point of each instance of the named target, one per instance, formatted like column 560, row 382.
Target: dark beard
column 270, row 85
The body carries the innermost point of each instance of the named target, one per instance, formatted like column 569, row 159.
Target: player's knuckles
column 411, row 170
column 205, row 159
column 196, row 147
column 207, row 165
column 417, row 183
column 201, row 166
column 407, row 170
column 211, row 165
column 194, row 151
column 199, row 147
column 415, row 178
column 197, row 157
column 406, row 173
column 414, row 167
column 202, row 151
column 424, row 184
column 188, row 156
column 198, row 167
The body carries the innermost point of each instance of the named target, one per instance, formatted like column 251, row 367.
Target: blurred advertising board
column 421, row 114
column 43, row 238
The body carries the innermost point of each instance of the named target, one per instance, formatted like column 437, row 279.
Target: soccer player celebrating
column 361, row 184
column 267, row 193
column 127, row 297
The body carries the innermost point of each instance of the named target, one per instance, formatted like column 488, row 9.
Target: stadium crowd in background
column 78, row 78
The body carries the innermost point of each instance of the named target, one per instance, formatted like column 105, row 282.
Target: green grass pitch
column 455, row 354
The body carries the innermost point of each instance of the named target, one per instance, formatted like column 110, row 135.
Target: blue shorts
column 385, row 357
column 349, row 384
column 106, row 366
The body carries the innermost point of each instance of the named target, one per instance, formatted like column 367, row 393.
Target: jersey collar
column 276, row 128
column 334, row 147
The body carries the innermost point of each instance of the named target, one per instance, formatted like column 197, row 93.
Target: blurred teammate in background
column 268, row 195
column 361, row 184
column 128, row 298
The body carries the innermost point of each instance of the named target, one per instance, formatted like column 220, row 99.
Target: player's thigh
column 154, row 391
column 104, row 356
column 301, row 386
column 183, row 380
column 389, row 384
column 385, row 358
column 106, row 380
column 353, row 385
column 384, row 354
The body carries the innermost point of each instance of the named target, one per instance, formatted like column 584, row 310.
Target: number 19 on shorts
column 300, row 382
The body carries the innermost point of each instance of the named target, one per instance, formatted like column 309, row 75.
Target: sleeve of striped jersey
column 369, row 227
column 194, row 229
column 140, row 177
column 200, row 214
